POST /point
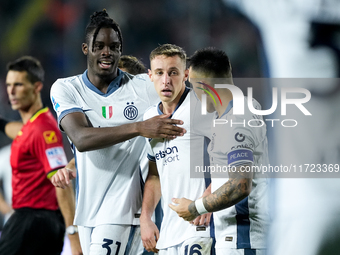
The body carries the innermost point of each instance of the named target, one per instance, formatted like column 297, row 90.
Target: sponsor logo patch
column 56, row 157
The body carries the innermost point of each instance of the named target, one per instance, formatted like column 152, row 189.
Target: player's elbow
column 81, row 146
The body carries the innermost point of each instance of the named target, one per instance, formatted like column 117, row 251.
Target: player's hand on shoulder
column 62, row 177
column 149, row 235
column 161, row 127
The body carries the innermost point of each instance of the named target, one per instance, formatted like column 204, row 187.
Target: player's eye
column 98, row 46
column 115, row 47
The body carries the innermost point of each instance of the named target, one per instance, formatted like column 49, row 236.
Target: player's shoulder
column 67, row 82
column 142, row 86
column 135, row 79
column 247, row 114
column 151, row 111
column 43, row 120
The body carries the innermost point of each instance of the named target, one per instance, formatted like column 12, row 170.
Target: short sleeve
column 47, row 146
column 63, row 98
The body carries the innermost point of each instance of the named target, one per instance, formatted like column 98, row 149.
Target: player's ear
column 38, row 86
column 186, row 74
column 150, row 74
column 85, row 48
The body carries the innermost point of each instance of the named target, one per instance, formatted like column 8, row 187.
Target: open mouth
column 105, row 64
column 166, row 92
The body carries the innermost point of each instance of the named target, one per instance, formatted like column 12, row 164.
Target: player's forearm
column 151, row 196
column 91, row 138
column 229, row 194
column 66, row 202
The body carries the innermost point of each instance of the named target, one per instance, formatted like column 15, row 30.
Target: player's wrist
column 199, row 206
column 72, row 230
column 145, row 217
column 137, row 128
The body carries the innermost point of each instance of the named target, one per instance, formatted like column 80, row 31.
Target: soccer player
column 36, row 226
column 239, row 198
column 169, row 166
column 101, row 113
column 305, row 216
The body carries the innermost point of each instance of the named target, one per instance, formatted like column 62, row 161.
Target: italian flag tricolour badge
column 107, row 112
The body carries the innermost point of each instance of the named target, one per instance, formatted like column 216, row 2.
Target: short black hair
column 212, row 62
column 132, row 64
column 33, row 67
column 98, row 20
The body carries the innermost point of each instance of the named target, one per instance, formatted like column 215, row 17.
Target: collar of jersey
column 113, row 86
column 230, row 105
column 184, row 95
column 36, row 115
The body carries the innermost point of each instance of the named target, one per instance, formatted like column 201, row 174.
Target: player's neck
column 226, row 97
column 26, row 114
column 170, row 107
column 100, row 81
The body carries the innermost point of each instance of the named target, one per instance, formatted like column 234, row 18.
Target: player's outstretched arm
column 62, row 178
column 233, row 191
column 151, row 196
column 86, row 138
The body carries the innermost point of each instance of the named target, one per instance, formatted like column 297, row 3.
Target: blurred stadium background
column 53, row 31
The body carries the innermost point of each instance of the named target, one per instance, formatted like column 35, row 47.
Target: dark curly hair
column 98, row 20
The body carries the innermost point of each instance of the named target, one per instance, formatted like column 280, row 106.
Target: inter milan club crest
column 130, row 111
column 107, row 112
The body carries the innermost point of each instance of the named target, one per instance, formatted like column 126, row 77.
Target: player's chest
column 112, row 111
